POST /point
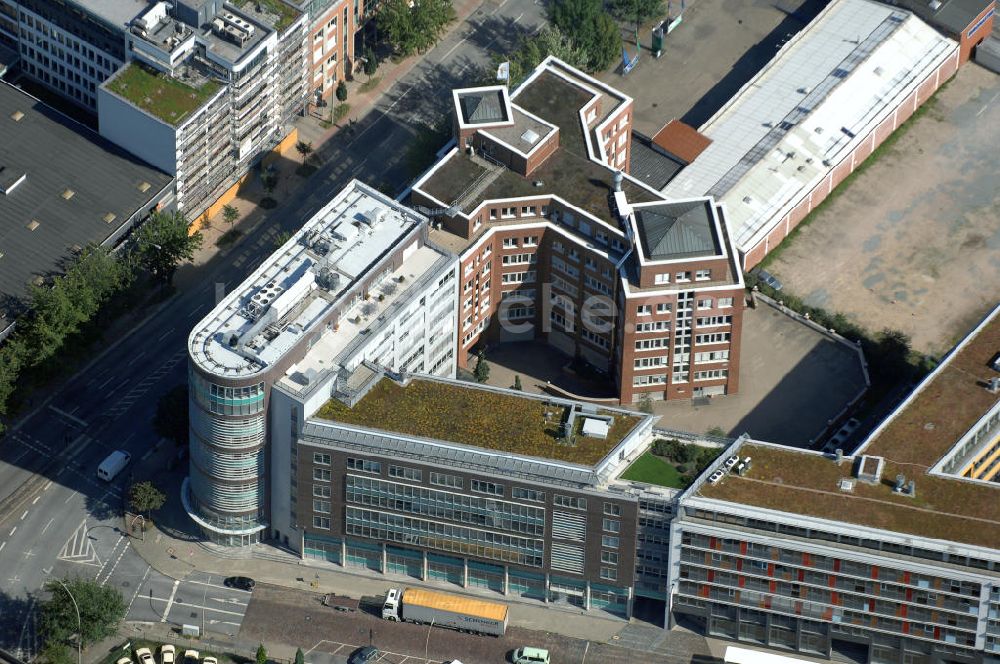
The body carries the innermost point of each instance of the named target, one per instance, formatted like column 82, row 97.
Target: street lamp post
column 79, row 623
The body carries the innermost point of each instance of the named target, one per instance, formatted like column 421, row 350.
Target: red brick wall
column 967, row 42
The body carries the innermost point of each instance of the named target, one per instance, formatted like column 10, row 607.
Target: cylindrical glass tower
column 224, row 493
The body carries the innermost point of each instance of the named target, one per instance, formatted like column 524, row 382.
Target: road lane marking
column 12, row 531
column 47, row 526
column 70, row 497
column 203, row 608
column 68, row 416
column 170, row 602
column 137, row 589
column 105, row 383
column 35, row 500
column 2, row 545
column 452, row 49
column 165, row 334
column 115, row 566
column 25, row 513
column 214, row 585
column 47, row 485
column 379, row 119
column 135, row 358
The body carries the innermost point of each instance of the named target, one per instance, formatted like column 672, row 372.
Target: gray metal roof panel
column 677, row 230
column 56, row 154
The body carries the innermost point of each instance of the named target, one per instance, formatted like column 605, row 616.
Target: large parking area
column 719, row 46
column 913, row 243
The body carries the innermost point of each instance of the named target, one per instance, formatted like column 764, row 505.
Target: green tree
column 589, row 29
column 638, row 11
column 413, row 26
column 688, row 453
column 58, row 308
column 145, row 497
column 341, row 91
column 261, row 654
column 482, row 371
column 371, row 62
column 304, row 148
column 529, row 53
column 716, row 431
column 281, row 238
column 517, row 383
column 101, row 610
column 268, row 180
column 230, row 214
column 171, row 418
column 300, row 657
column 12, row 355
column 706, row 455
column 57, row 652
column 163, row 242
column 645, row 403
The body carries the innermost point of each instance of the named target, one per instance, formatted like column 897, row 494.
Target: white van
column 528, row 655
column 113, row 464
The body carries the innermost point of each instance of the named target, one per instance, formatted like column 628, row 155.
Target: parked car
column 363, row 655
column 240, row 583
column 210, row 660
column 144, row 656
column 124, row 660
column 766, row 278
column 190, row 656
column 167, row 654
column 529, row 655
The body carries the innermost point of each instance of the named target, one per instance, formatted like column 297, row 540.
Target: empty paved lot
column 793, row 379
column 913, row 242
column 717, row 48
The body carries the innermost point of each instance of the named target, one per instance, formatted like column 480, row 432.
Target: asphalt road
column 56, row 517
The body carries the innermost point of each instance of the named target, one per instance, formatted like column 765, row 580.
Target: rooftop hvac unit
column 327, row 279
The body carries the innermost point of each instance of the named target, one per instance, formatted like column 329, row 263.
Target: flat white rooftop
column 807, row 109
column 295, row 289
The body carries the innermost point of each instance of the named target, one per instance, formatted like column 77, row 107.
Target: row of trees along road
column 581, row 33
column 414, row 26
column 60, row 310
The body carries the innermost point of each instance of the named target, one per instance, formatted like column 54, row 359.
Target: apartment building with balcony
column 892, row 555
column 357, row 291
column 69, row 46
column 558, row 243
column 210, row 88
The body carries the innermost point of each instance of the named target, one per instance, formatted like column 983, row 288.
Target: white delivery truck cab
column 113, row 464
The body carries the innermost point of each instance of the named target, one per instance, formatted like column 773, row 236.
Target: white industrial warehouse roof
column 808, row 109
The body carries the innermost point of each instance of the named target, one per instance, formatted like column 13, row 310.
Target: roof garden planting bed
column 159, row 95
column 476, row 417
column 788, row 481
column 285, row 13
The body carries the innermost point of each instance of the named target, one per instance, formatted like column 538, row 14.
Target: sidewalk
column 252, row 216
column 179, row 553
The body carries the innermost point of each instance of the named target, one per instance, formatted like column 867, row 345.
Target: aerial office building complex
column 557, row 243
column 892, row 555
column 357, row 291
